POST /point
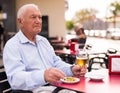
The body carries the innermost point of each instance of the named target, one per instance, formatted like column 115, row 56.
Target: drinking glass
column 81, row 58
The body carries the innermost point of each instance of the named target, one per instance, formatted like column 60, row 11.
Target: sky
column 101, row 5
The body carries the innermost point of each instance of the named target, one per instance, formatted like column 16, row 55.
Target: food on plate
column 69, row 79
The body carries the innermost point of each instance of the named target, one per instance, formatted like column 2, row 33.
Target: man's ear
column 20, row 21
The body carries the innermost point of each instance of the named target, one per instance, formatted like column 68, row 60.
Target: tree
column 69, row 25
column 80, row 17
column 83, row 15
column 115, row 10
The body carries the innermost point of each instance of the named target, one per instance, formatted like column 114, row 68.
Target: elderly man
column 29, row 59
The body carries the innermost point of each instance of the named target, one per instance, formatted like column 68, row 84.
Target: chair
column 4, row 84
column 97, row 61
column 71, row 59
column 68, row 58
column 64, row 57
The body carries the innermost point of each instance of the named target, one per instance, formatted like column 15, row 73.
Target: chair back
column 4, row 85
column 95, row 61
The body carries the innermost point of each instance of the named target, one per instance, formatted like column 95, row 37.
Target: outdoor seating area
column 98, row 63
column 73, row 50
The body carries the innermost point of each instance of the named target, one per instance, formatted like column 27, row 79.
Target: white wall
column 55, row 9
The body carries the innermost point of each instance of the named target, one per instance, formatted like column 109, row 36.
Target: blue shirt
column 25, row 61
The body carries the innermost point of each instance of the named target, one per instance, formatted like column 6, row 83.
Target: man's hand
column 78, row 70
column 53, row 75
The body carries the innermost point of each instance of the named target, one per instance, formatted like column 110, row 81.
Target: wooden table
column 56, row 41
column 110, row 84
column 64, row 45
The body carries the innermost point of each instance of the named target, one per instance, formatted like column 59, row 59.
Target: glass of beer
column 81, row 58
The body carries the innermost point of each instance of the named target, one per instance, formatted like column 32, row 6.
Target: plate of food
column 70, row 80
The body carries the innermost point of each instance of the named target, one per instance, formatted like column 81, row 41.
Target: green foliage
column 69, row 25
column 115, row 8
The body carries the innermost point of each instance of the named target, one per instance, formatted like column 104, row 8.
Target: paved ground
column 102, row 44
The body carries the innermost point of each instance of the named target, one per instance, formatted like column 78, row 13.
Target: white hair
column 24, row 8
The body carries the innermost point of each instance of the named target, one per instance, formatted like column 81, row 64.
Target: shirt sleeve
column 59, row 63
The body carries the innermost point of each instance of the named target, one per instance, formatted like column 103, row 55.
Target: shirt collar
column 24, row 39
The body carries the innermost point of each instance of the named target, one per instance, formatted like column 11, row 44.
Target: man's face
column 32, row 21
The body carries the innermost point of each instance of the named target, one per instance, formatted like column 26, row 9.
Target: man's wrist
column 72, row 69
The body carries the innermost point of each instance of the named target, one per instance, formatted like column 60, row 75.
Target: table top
column 110, row 84
column 65, row 51
column 57, row 41
column 68, row 51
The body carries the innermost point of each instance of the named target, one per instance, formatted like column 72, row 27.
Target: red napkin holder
column 114, row 64
column 74, row 46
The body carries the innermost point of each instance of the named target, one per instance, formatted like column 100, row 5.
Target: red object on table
column 73, row 46
column 114, row 64
column 111, row 84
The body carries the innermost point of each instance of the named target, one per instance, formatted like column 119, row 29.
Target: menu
column 115, row 65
